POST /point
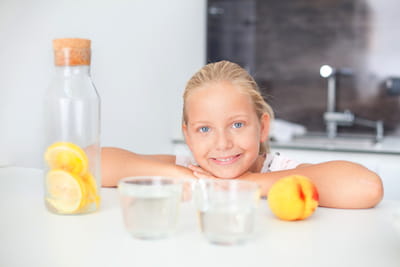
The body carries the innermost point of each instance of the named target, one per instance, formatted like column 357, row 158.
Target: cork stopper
column 71, row 52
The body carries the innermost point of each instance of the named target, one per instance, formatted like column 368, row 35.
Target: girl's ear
column 185, row 133
column 265, row 123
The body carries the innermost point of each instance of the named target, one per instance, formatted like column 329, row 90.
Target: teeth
column 225, row 159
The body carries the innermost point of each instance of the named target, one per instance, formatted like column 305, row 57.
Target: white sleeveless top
column 273, row 162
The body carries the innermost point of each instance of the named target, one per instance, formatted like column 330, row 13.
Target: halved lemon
column 67, row 156
column 66, row 191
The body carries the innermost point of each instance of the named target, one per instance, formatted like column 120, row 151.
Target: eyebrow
column 232, row 118
column 198, row 123
column 238, row 116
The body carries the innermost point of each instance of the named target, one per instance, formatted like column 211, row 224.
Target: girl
column 226, row 125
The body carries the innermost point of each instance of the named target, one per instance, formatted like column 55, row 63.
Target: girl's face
column 223, row 130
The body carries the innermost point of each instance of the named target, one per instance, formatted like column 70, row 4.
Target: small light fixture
column 326, row 71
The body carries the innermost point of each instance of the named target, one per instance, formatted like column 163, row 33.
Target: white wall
column 384, row 46
column 143, row 52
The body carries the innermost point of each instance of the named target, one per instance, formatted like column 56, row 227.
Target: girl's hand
column 199, row 172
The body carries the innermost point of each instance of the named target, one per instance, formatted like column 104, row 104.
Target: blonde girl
column 226, row 124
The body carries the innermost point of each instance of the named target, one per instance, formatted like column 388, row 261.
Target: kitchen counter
column 31, row 236
column 356, row 143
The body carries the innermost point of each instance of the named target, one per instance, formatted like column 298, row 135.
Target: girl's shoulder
column 278, row 162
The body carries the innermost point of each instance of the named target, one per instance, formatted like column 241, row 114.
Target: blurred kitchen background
column 285, row 43
column 143, row 52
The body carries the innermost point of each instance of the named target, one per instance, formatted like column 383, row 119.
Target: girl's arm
column 118, row 163
column 340, row 184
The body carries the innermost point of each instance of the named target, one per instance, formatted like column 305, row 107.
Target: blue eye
column 237, row 125
column 204, row 129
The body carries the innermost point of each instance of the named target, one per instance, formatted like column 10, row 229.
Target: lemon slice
column 91, row 182
column 91, row 186
column 66, row 191
column 67, row 156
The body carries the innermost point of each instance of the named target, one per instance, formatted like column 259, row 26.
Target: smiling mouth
column 226, row 160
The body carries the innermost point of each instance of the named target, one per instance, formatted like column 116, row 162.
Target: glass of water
column 150, row 205
column 227, row 210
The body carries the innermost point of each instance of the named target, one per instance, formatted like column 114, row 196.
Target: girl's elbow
column 370, row 185
column 374, row 191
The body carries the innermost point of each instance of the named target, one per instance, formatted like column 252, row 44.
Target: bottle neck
column 73, row 71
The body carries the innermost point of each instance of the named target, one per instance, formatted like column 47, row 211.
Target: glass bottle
column 72, row 173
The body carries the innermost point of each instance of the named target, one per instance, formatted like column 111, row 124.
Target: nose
column 223, row 141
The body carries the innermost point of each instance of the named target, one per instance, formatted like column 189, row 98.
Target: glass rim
column 228, row 181
column 147, row 180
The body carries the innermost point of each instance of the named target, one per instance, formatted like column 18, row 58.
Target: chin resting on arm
column 118, row 163
column 340, row 184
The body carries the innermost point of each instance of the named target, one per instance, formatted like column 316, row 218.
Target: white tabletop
column 31, row 236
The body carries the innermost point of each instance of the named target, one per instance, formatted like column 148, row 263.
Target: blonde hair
column 231, row 72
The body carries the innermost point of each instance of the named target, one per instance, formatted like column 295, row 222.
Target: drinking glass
column 150, row 205
column 227, row 210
